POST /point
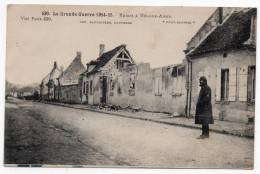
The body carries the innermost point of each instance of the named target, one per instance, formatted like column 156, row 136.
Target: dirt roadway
column 37, row 133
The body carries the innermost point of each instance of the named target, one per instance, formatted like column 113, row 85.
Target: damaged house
column 115, row 79
column 101, row 74
column 224, row 51
column 68, row 88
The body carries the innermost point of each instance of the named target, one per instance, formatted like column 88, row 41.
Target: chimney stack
column 79, row 54
column 101, row 49
column 55, row 65
column 220, row 10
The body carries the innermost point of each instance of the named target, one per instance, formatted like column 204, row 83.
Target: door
column 86, row 91
column 104, row 89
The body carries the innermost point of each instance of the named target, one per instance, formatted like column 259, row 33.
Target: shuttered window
column 158, row 86
column 242, row 96
column 251, row 84
column 224, row 84
column 232, row 86
column 218, row 85
column 91, row 87
column 86, row 87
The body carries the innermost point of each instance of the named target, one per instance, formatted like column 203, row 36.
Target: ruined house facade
column 115, row 79
column 224, row 51
column 101, row 74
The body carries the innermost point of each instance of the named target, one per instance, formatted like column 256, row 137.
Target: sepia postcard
column 130, row 86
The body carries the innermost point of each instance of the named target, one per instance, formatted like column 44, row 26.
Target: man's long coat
column 204, row 108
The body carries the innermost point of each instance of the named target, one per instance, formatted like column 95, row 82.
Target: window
column 91, row 87
column 158, row 86
column 84, row 88
column 119, row 64
column 174, row 71
column 181, row 71
column 224, row 84
column 251, row 84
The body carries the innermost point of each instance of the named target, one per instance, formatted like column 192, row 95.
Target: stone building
column 114, row 78
column 100, row 74
column 49, row 82
column 68, row 89
column 224, row 51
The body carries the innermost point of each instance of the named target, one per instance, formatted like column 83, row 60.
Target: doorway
column 104, row 89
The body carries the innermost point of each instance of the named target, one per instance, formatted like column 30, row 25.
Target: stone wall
column 149, row 89
column 68, row 94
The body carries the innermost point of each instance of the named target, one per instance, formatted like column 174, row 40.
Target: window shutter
column 243, row 83
column 232, row 84
column 218, row 85
column 87, row 87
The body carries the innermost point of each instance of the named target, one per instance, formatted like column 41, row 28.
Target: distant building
column 49, row 82
column 224, row 51
column 68, row 88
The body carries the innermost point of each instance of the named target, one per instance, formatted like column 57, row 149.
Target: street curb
column 147, row 119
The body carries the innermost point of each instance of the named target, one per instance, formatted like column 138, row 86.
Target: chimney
column 87, row 66
column 78, row 54
column 101, row 49
column 55, row 65
column 220, row 10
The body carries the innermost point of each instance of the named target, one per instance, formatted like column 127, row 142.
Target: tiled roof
column 105, row 57
column 231, row 34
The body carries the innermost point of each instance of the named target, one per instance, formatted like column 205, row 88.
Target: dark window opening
column 91, row 87
column 220, row 15
column 174, row 72
column 181, row 71
column 87, row 86
column 224, row 84
column 120, row 64
column 251, row 84
column 84, row 88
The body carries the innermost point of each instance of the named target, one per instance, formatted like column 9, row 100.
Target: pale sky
column 33, row 46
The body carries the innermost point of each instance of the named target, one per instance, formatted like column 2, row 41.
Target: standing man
column 203, row 114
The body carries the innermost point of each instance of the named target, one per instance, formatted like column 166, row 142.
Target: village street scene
column 113, row 111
